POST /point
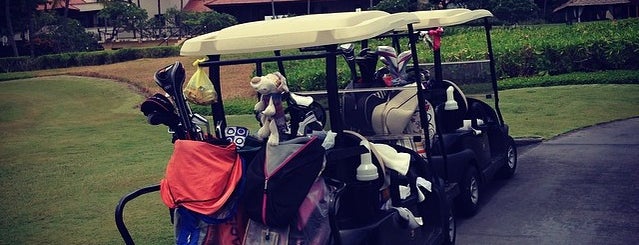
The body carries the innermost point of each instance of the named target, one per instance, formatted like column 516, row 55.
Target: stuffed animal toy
column 270, row 87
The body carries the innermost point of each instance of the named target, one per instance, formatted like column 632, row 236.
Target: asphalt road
column 579, row 188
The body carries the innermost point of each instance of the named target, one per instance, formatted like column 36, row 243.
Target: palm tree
column 7, row 13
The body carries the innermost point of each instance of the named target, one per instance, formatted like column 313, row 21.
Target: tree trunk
column 30, row 27
column 11, row 36
column 66, row 8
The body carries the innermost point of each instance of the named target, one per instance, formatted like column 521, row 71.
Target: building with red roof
column 252, row 10
column 587, row 10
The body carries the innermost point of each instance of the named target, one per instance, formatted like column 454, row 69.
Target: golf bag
column 285, row 196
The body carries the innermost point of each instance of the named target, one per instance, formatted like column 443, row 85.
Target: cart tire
column 467, row 202
column 510, row 165
column 451, row 232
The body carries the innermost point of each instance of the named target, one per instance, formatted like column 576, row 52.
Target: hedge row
column 533, row 50
column 550, row 49
column 25, row 63
column 576, row 78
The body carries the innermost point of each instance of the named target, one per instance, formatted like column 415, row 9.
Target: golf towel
column 200, row 176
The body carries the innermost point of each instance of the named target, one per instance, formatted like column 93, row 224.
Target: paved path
column 579, row 188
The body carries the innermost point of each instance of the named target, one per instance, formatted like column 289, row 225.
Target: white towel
column 392, row 159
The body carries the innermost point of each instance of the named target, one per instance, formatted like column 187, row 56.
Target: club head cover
column 159, row 110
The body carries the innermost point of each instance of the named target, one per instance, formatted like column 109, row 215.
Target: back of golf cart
column 318, row 184
column 472, row 143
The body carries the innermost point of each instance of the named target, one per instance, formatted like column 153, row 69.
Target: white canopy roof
column 296, row 32
column 447, row 17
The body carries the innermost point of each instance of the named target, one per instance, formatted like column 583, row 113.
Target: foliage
column 16, row 75
column 396, row 6
column 16, row 19
column 62, row 35
column 195, row 23
column 15, row 64
column 547, row 49
column 514, row 11
column 509, row 11
column 518, row 50
column 19, row 13
column 123, row 16
column 233, row 106
column 577, row 78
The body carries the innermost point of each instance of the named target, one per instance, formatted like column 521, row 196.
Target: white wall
column 151, row 6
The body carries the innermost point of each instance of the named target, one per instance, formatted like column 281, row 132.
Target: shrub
column 125, row 54
column 91, row 58
column 52, row 61
column 15, row 64
column 602, row 77
column 161, row 51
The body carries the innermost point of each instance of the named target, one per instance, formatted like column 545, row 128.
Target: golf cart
column 473, row 144
column 383, row 186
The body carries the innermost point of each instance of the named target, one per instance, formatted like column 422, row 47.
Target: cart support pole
column 217, row 108
column 332, row 89
column 421, row 94
column 280, row 64
column 493, row 73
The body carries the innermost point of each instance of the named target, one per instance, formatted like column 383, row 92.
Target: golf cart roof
column 446, row 17
column 296, row 32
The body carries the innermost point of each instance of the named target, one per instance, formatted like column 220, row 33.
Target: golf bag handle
column 119, row 211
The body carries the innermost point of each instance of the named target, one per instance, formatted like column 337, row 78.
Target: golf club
column 171, row 78
column 200, row 120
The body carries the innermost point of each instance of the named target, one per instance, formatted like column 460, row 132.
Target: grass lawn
column 72, row 147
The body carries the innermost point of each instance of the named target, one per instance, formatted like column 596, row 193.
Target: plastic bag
column 199, row 89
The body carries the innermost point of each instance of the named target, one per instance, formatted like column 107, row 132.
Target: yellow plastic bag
column 199, row 89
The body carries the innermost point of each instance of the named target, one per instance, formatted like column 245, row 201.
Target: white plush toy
column 270, row 87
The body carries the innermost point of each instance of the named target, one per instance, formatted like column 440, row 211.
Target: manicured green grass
column 550, row 111
column 72, row 147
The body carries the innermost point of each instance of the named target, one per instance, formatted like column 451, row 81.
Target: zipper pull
column 265, row 184
column 267, row 236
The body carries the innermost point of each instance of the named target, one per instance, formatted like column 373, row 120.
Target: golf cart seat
column 453, row 117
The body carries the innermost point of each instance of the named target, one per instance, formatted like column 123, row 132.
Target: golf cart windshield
column 477, row 78
column 473, row 77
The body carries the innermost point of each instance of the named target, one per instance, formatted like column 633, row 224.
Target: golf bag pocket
column 312, row 226
column 279, row 178
column 260, row 234
column 199, row 89
column 192, row 229
column 200, row 176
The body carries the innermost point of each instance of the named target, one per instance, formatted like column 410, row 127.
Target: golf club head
column 159, row 110
column 348, row 51
column 167, row 76
column 392, row 69
column 367, row 62
column 389, row 53
column 200, row 120
column 402, row 60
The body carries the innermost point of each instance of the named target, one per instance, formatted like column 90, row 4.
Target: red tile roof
column 197, row 6
column 581, row 3
column 237, row 2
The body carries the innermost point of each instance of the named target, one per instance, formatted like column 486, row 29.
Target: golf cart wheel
column 468, row 200
column 510, row 165
column 451, row 232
